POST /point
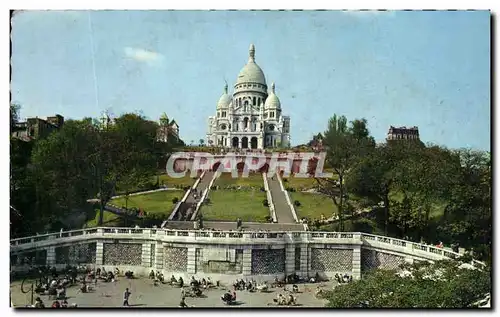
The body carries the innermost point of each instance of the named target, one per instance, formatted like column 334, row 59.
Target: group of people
column 56, row 304
column 343, row 279
column 285, row 299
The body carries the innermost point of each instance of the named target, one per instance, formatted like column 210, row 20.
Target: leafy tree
column 345, row 145
column 467, row 217
column 443, row 284
column 202, row 142
column 14, row 115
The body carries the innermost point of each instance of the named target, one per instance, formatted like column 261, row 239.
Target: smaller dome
column 224, row 100
column 272, row 100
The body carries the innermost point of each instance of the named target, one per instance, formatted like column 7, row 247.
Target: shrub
column 265, row 203
column 175, row 200
column 297, row 203
column 262, row 189
column 285, row 180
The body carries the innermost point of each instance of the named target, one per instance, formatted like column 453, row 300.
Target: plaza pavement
column 144, row 294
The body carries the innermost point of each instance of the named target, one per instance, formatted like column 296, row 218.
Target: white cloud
column 142, row 55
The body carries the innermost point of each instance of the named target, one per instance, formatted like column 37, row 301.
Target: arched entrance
column 240, row 166
column 264, row 168
column 235, row 142
column 253, row 143
column 244, row 142
column 216, row 166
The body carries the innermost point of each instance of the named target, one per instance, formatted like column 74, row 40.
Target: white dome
column 224, row 100
column 251, row 72
column 272, row 100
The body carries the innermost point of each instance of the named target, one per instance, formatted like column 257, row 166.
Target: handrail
column 310, row 235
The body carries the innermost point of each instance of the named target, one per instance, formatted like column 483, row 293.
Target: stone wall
column 371, row 259
column 331, row 260
column 38, row 257
column 122, row 254
column 76, row 254
column 268, row 261
column 175, row 259
column 232, row 264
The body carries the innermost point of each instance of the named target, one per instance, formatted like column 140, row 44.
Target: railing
column 287, row 197
column 269, row 198
column 103, row 232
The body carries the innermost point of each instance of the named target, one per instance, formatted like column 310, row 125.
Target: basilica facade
column 251, row 117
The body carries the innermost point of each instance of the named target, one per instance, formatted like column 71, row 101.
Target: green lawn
column 230, row 204
column 313, row 205
column 187, row 180
column 109, row 220
column 253, row 180
column 305, row 183
column 157, row 202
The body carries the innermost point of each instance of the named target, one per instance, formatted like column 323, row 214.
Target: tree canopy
column 55, row 177
column 443, row 284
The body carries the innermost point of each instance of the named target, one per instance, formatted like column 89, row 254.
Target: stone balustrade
column 215, row 252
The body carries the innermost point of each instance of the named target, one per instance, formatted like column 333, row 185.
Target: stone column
column 191, row 261
column 304, row 261
column 356, row 262
column 146, row 255
column 99, row 253
column 158, row 265
column 290, row 259
column 51, row 256
column 247, row 262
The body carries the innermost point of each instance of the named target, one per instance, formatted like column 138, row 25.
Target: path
column 190, row 201
column 283, row 212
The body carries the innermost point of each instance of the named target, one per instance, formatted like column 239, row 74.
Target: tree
column 202, row 142
column 14, row 116
column 345, row 145
column 467, row 217
column 444, row 284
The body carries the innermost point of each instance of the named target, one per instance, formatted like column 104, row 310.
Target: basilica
column 251, row 117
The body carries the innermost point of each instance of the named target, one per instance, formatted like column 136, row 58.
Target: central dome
column 251, row 72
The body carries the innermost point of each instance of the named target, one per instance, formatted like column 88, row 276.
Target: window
column 223, row 114
column 271, row 115
column 254, row 101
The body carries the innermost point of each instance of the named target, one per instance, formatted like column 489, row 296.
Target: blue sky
column 429, row 69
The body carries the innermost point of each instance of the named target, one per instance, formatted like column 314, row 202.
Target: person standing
column 126, row 296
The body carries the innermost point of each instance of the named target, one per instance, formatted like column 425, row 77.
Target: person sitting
column 226, row 297
column 209, row 282
column 291, row 300
column 193, row 282
column 319, row 291
column 151, row 275
column 295, row 288
column 129, row 274
column 61, row 292
column 39, row 303
column 204, row 283
column 117, row 271
column 56, row 304
column 83, row 288
column 196, row 291
column 181, row 282
column 98, row 272
column 183, row 304
column 160, row 277
column 64, row 304
column 173, row 280
column 345, row 278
